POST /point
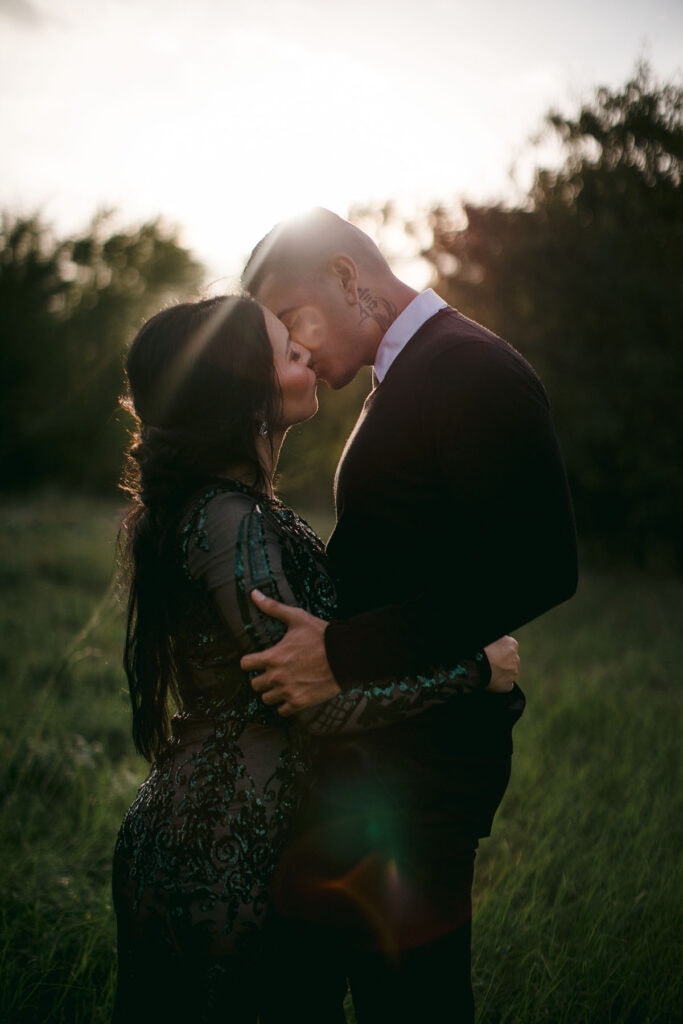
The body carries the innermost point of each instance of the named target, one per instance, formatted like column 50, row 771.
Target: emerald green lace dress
column 198, row 847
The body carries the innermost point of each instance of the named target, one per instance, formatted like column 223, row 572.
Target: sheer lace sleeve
column 373, row 706
column 233, row 548
column 235, row 543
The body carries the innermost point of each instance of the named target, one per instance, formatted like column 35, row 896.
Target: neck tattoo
column 376, row 308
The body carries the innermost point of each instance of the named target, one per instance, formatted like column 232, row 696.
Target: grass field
column 579, row 894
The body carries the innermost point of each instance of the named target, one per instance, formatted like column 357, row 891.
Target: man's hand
column 504, row 661
column 295, row 673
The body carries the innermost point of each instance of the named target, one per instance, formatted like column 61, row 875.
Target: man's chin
column 338, row 381
column 331, row 384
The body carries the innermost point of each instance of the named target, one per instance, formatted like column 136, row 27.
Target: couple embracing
column 329, row 726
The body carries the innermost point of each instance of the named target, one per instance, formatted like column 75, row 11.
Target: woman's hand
column 504, row 661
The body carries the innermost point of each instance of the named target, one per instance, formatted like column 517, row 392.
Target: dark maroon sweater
column 454, row 520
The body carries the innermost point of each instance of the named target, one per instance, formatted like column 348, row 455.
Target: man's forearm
column 515, row 581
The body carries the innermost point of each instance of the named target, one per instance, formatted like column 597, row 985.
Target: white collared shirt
column 418, row 312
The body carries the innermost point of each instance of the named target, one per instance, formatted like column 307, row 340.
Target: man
column 454, row 527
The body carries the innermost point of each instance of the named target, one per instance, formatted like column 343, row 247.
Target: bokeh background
column 226, row 115
column 526, row 160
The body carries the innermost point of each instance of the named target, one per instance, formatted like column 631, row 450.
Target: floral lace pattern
column 198, row 847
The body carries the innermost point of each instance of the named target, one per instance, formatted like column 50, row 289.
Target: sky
column 223, row 116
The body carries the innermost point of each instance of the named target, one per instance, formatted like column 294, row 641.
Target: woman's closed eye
column 296, row 353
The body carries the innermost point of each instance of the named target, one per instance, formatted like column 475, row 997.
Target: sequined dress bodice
column 198, row 847
column 224, row 793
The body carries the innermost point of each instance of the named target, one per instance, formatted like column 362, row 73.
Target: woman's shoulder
column 216, row 501
column 214, row 515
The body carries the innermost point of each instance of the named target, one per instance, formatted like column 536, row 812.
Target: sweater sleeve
column 493, row 449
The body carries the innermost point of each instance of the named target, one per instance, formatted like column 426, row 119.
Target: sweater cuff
column 484, row 666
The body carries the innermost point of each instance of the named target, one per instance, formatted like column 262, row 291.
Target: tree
column 69, row 308
column 585, row 280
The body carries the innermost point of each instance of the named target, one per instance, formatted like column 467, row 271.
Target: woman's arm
column 230, row 548
column 372, row 706
column 236, row 549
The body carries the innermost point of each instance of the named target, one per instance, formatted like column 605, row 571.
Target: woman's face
column 297, row 379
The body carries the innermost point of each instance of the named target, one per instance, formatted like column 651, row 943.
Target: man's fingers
column 273, row 698
column 259, row 683
column 270, row 697
column 284, row 612
column 250, row 662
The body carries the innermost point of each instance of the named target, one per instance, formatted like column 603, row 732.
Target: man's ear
column 345, row 270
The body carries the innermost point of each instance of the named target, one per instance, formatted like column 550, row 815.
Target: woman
column 214, row 386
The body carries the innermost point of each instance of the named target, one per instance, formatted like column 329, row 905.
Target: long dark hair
column 201, row 379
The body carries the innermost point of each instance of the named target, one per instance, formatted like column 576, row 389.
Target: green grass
column 67, row 769
column 579, row 892
column 579, row 896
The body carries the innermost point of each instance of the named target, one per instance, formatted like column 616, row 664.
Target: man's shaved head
column 299, row 249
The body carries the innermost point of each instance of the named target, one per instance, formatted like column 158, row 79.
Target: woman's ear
column 344, row 269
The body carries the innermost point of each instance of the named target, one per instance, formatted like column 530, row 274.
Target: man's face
column 319, row 316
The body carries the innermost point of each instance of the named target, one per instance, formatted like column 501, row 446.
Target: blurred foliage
column 583, row 277
column 585, row 280
column 68, row 309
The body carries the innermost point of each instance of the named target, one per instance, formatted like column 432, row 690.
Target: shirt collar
column 418, row 312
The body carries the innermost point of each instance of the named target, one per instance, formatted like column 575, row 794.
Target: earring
column 263, row 429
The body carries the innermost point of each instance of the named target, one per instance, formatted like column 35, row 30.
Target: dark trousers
column 424, row 970
column 302, row 976
column 430, row 983
column 398, row 927
column 383, row 868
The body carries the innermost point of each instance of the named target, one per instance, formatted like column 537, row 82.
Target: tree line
column 584, row 277
column 586, row 280
column 68, row 309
